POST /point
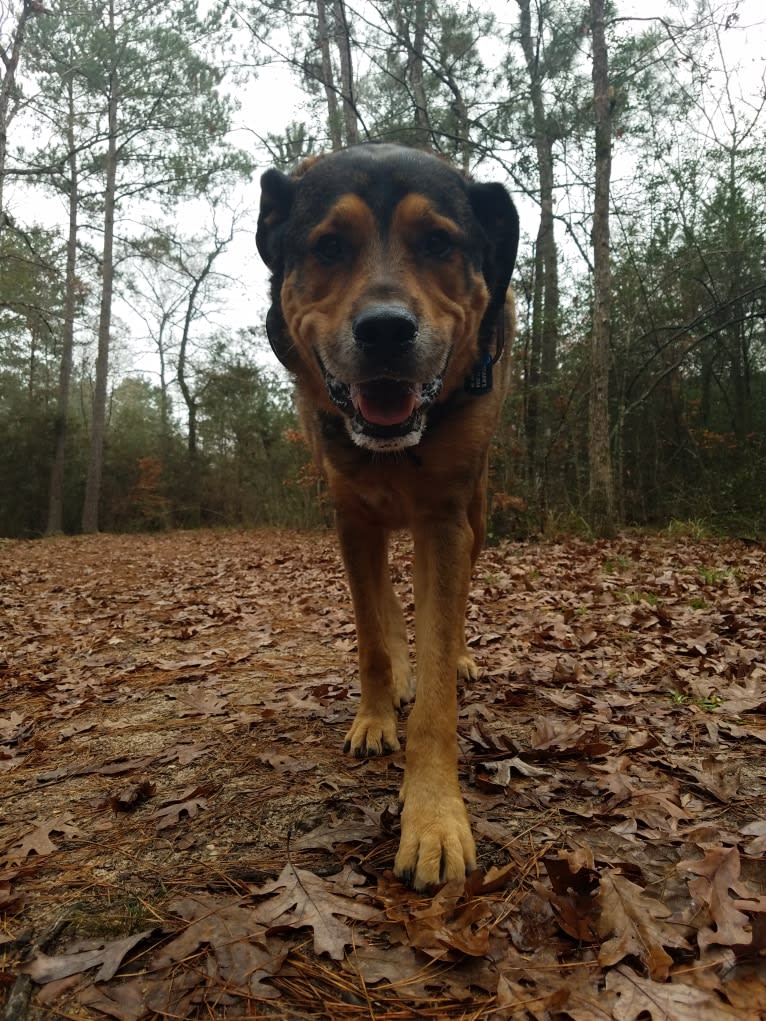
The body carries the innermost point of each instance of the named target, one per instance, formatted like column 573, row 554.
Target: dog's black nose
column 385, row 324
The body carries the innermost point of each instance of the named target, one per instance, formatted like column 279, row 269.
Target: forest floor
column 182, row 837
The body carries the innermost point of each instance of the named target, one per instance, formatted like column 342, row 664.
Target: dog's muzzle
column 387, row 410
column 384, row 414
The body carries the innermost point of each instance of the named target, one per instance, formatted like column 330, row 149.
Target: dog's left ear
column 495, row 211
column 277, row 192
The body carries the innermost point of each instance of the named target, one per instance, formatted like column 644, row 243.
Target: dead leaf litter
column 182, row 837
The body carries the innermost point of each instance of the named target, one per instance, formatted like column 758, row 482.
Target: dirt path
column 181, row 835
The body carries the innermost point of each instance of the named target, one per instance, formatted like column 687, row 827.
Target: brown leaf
column 108, row 955
column 669, row 1001
column 403, row 965
column 305, row 900
column 145, row 996
column 634, row 925
column 718, row 873
column 10, row 903
column 76, row 728
column 190, row 803
column 202, row 702
column 286, row 763
column 332, row 832
column 440, row 926
column 237, row 940
column 125, row 1001
column 573, row 897
column 38, row 841
column 132, row 796
column 567, row 737
column 757, row 830
column 13, row 728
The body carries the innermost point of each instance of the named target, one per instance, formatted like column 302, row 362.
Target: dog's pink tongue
column 384, row 403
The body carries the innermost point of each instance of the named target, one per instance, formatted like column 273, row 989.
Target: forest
column 134, row 396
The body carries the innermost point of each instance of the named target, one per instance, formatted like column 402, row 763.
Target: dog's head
column 389, row 274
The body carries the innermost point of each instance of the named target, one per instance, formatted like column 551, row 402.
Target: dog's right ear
column 277, row 192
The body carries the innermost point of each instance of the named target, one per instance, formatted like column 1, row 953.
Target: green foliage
column 172, row 112
column 255, row 464
column 288, row 149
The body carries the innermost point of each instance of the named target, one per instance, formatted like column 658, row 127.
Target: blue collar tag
column 480, row 380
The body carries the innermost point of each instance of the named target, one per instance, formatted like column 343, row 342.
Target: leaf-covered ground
column 182, row 837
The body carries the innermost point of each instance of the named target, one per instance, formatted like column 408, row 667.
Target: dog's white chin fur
column 386, row 444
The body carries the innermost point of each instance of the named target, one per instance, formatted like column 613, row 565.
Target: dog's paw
column 404, row 684
column 466, row 667
column 436, row 844
column 372, row 734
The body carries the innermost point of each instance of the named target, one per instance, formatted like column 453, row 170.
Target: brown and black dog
column 390, row 274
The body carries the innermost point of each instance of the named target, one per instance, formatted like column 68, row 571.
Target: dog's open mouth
column 384, row 409
column 386, row 402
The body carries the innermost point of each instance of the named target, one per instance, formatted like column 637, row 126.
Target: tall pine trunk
column 601, row 490
column 328, row 78
column 415, row 63
column 98, row 426
column 543, row 350
column 56, row 485
column 343, row 40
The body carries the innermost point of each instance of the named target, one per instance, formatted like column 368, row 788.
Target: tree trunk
column 545, row 318
column 328, row 78
column 10, row 61
column 600, row 495
column 191, row 399
column 343, row 39
column 98, row 426
column 56, row 488
column 422, row 127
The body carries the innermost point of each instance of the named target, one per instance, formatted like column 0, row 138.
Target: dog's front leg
column 436, row 843
column 380, row 636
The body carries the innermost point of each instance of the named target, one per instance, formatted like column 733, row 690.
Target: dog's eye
column 438, row 244
column 328, row 249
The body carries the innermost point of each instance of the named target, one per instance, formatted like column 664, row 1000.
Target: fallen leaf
column 108, row 955
column 237, row 940
column 190, row 803
column 668, row 1001
column 718, row 873
column 13, row 728
column 305, row 900
column 635, row 925
column 132, row 796
column 38, row 841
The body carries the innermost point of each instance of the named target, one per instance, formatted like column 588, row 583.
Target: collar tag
column 480, row 380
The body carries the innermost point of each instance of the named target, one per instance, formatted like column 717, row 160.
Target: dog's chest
column 385, row 503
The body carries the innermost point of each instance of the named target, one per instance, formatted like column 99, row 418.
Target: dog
column 390, row 307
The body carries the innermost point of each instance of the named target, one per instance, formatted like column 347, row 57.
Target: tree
column 328, row 78
column 112, row 94
column 31, row 291
column 601, row 488
column 543, row 64
column 162, row 120
column 196, row 273
column 11, row 46
column 55, row 522
column 343, row 41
